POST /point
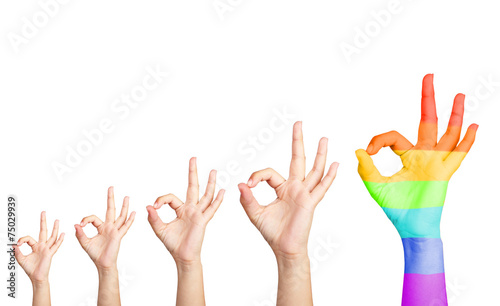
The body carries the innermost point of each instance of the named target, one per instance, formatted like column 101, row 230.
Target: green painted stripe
column 408, row 194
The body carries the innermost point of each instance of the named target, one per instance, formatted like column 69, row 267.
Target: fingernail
column 369, row 149
column 250, row 181
column 81, row 224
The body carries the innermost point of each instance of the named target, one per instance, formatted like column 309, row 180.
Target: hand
column 103, row 248
column 37, row 263
column 413, row 197
column 285, row 223
column 183, row 237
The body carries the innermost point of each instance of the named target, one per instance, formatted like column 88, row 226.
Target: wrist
column 107, row 271
column 39, row 283
column 423, row 255
column 292, row 260
column 188, row 266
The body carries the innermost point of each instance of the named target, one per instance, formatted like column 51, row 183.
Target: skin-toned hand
column 183, row 237
column 286, row 222
column 103, row 248
column 37, row 263
column 413, row 198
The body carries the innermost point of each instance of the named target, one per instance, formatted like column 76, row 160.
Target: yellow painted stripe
column 421, row 165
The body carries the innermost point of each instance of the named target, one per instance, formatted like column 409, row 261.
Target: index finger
column 427, row 131
column 110, row 212
column 298, row 163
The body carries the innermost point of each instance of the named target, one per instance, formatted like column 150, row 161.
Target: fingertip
column 360, row 153
column 242, row 187
column 250, row 183
column 474, row 126
column 369, row 149
column 150, row 209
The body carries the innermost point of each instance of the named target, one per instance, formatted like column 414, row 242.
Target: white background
column 229, row 73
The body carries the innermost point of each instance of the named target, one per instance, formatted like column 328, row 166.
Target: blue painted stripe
column 416, row 223
column 423, row 255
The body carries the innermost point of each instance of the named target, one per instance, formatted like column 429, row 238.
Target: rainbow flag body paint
column 413, row 198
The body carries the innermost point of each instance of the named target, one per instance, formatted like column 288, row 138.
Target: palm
column 285, row 223
column 103, row 248
column 37, row 264
column 183, row 237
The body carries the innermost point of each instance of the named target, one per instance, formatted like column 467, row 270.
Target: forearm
column 190, row 290
column 41, row 293
column 294, row 281
column 109, row 289
column 424, row 280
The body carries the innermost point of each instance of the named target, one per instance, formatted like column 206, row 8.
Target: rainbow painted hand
column 413, row 198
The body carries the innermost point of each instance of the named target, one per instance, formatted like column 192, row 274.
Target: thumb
column 367, row 169
column 154, row 220
column 248, row 201
column 80, row 235
column 20, row 257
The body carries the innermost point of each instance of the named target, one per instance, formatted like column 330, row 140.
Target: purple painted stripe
column 424, row 290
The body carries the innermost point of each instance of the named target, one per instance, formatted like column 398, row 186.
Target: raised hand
column 285, row 223
column 37, row 263
column 183, row 237
column 103, row 248
column 413, row 198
